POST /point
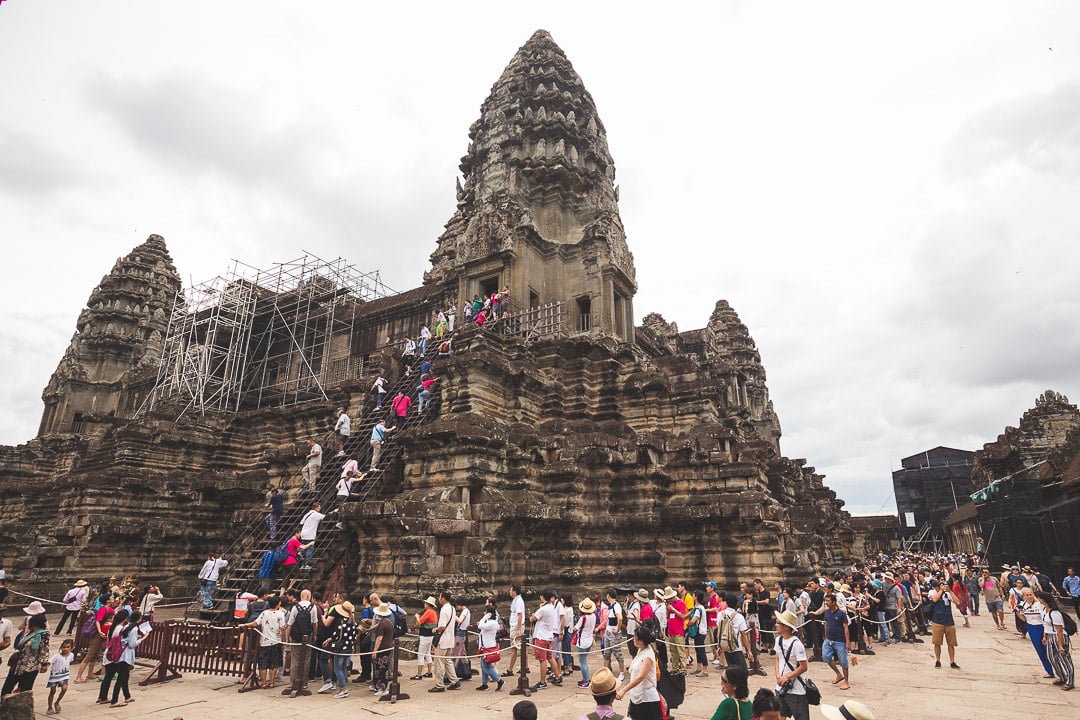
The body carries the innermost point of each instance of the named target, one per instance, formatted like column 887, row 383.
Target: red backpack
column 115, row 648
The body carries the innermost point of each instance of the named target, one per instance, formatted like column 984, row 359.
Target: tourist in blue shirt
column 942, row 625
column 1071, row 586
column 837, row 638
column 378, row 436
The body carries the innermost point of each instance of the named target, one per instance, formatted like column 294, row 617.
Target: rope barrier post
column 395, row 693
column 301, row 667
column 523, row 679
column 164, row 669
column 250, row 661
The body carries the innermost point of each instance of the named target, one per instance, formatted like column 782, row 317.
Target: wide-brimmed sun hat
column 382, row 610
column 851, row 710
column 788, row 618
column 669, row 593
column 34, row 608
column 642, row 595
column 347, row 607
column 80, row 583
column 430, row 600
column 587, row 606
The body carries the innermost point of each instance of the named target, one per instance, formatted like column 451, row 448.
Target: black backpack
column 1070, row 624
column 401, row 625
column 302, row 625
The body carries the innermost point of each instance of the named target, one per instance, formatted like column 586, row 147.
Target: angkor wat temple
column 568, row 447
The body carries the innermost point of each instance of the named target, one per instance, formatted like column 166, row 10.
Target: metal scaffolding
column 256, row 338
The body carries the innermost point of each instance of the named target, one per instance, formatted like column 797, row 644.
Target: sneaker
column 582, row 684
column 557, row 683
column 339, row 526
column 482, row 687
column 716, row 662
column 540, row 686
column 437, row 688
column 937, row 664
column 622, row 676
column 416, row 677
column 454, row 686
column 498, row 685
column 380, row 693
column 341, row 694
column 508, row 673
column 327, row 687
column 954, row 666
column 340, row 453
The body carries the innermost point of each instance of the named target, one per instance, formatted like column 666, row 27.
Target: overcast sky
column 886, row 193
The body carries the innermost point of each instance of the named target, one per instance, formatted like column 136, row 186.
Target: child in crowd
column 59, row 672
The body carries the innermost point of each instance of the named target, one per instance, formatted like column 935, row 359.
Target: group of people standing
column 113, row 623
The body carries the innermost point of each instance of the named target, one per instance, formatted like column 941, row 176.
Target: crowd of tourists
column 115, row 618
column 625, row 643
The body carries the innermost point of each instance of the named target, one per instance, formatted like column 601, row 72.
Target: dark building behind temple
column 928, row 486
column 1028, row 502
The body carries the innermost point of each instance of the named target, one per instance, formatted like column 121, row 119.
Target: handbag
column 491, row 655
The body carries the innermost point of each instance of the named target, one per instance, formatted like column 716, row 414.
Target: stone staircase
column 245, row 555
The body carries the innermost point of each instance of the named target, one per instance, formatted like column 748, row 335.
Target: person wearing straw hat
column 425, row 628
column 383, row 632
column 73, row 602
column 585, row 629
column 791, row 665
column 851, row 710
column 676, row 630
column 603, row 687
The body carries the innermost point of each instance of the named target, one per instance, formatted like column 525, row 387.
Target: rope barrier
column 61, row 602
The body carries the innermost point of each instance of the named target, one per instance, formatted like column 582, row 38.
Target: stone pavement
column 1000, row 677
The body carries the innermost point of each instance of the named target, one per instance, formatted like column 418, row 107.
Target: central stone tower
column 538, row 212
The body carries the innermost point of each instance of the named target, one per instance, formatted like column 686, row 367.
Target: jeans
column 488, row 672
column 423, row 346
column 835, row 650
column 341, row 670
column 882, row 626
column 583, row 661
column 304, row 556
column 378, row 399
column 425, row 398
column 567, row 658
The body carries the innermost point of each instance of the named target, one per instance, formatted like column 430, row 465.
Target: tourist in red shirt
column 676, row 614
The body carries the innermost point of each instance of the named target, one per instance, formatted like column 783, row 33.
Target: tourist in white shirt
column 585, row 627
column 488, row 627
column 546, row 619
column 444, row 649
column 516, row 627
column 640, row 689
column 73, row 602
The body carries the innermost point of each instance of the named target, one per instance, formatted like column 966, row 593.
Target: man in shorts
column 834, row 649
column 942, row 626
column 546, row 619
column 614, row 639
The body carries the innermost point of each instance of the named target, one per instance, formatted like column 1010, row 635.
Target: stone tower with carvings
column 538, row 212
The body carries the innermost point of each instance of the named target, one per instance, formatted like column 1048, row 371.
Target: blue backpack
column 266, row 569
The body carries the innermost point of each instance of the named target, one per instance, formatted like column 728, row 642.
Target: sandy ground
column 1000, row 677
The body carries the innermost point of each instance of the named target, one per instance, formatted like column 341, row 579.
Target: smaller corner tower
column 111, row 361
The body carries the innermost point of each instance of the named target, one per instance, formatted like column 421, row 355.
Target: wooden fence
column 176, row 646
